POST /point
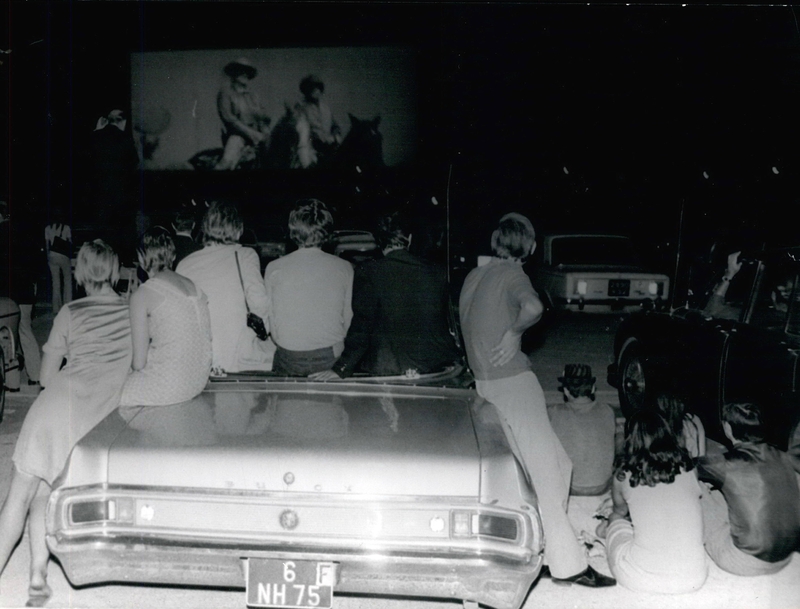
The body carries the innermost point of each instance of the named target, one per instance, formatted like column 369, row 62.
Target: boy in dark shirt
column 753, row 526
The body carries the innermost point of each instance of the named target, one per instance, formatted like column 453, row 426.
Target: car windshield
column 590, row 250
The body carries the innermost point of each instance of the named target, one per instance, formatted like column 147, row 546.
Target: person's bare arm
column 530, row 312
column 140, row 333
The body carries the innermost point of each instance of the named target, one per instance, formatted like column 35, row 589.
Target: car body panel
column 373, row 477
column 600, row 284
column 713, row 361
column 321, row 439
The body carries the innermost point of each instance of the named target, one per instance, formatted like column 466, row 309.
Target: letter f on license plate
column 291, row 584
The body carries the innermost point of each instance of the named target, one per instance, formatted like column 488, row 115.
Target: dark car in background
column 297, row 491
column 753, row 356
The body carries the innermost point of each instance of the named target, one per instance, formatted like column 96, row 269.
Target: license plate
column 619, row 287
column 293, row 584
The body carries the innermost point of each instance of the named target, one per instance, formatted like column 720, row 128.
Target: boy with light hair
column 497, row 304
column 310, row 294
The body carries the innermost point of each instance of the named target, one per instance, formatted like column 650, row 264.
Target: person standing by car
column 93, row 335
column 400, row 312
column 497, row 304
column 310, row 294
column 752, row 522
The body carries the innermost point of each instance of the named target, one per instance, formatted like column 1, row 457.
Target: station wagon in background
column 595, row 273
column 711, row 361
column 297, row 491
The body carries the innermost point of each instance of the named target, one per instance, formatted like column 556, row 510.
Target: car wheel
column 632, row 379
column 2, row 384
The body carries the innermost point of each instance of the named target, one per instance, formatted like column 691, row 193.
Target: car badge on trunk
column 289, row 520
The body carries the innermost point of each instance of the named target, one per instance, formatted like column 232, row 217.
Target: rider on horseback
column 319, row 134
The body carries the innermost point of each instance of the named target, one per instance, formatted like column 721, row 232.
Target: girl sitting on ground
column 685, row 426
column 654, row 536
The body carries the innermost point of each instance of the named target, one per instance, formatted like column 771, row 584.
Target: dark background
column 600, row 116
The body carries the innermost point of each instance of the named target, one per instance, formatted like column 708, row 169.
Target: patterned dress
column 94, row 334
column 179, row 358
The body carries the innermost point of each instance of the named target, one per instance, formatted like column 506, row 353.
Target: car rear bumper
column 605, row 305
column 495, row 581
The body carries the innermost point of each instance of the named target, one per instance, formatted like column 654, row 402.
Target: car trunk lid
column 374, row 442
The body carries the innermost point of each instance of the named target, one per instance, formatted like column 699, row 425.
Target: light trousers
column 523, row 412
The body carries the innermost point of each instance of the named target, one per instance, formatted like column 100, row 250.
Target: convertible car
column 748, row 354
column 595, row 273
column 297, row 491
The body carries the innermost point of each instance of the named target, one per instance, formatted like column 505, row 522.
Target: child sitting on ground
column 654, row 535
column 586, row 430
column 752, row 523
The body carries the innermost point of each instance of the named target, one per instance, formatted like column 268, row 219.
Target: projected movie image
column 273, row 109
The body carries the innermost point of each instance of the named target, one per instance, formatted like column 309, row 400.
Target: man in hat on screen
column 244, row 120
column 586, row 429
column 319, row 133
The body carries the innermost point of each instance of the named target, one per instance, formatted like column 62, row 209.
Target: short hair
column 745, row 421
column 97, row 265
column 222, row 223
column 156, row 250
column 310, row 223
column 514, row 237
column 651, row 453
column 184, row 219
column 393, row 230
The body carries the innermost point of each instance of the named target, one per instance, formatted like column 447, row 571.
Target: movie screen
column 273, row 109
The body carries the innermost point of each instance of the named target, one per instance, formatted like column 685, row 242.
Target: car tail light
column 472, row 524
column 95, row 511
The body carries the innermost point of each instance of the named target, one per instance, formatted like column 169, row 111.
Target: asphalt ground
column 573, row 338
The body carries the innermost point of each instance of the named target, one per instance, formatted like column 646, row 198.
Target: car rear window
column 593, row 250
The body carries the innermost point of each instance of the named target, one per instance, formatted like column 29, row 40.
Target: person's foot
column 588, row 577
column 38, row 595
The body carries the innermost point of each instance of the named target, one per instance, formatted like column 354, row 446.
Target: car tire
column 2, row 384
column 633, row 378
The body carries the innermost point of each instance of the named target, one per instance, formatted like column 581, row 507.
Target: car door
column 761, row 359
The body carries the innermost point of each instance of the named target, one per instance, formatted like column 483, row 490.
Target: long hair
column 673, row 409
column 652, row 453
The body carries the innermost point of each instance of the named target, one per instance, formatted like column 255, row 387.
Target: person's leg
column 15, row 508
column 27, row 340
column 231, row 153
column 521, row 403
column 55, row 276
column 40, row 554
column 66, row 266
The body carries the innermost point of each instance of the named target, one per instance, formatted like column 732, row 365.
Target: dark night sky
column 635, row 101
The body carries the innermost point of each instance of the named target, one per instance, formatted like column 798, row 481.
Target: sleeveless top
column 179, row 357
